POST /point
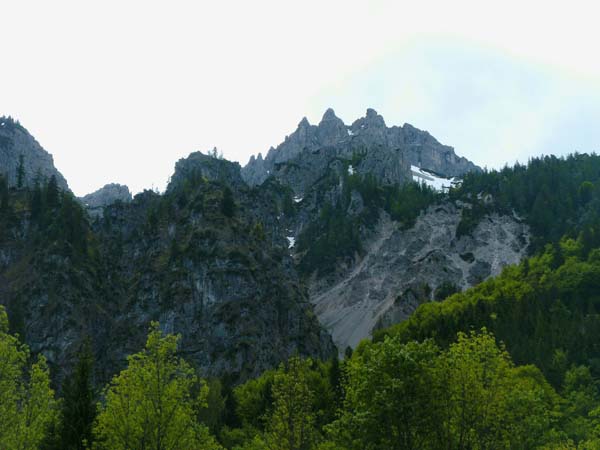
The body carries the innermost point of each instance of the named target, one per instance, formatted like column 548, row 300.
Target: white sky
column 118, row 91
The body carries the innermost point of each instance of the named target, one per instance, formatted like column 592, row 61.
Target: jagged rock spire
column 331, row 129
column 304, row 123
column 331, row 137
column 329, row 115
column 372, row 118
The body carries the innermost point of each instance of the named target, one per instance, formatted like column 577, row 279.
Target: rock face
column 397, row 269
column 221, row 277
column 231, row 292
column 389, row 152
column 217, row 257
column 403, row 268
column 199, row 166
column 106, row 195
column 17, row 143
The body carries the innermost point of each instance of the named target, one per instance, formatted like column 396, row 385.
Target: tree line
column 388, row 395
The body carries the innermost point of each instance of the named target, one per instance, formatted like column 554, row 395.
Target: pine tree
column 36, row 204
column 52, row 197
column 21, row 172
column 227, row 203
column 4, row 195
column 79, row 408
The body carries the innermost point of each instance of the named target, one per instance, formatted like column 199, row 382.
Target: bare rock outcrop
column 402, row 268
column 18, row 147
column 388, row 151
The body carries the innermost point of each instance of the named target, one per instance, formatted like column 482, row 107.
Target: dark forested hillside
column 204, row 259
column 556, row 196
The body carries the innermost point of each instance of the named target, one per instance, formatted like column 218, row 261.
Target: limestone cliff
column 390, row 151
column 18, row 146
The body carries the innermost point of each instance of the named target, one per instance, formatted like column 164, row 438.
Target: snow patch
column 351, row 170
column 435, row 182
column 291, row 241
column 298, row 199
column 350, row 132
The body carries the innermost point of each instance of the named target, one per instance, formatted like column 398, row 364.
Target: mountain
column 369, row 250
column 479, row 289
column 341, row 221
column 204, row 259
column 390, row 152
column 106, row 195
column 16, row 145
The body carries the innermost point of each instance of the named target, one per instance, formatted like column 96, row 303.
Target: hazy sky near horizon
column 118, row 91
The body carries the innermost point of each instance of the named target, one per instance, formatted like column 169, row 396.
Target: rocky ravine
column 400, row 267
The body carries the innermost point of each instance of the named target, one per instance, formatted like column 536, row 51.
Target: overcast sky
column 118, row 91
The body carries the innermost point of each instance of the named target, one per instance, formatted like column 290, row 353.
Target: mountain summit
column 385, row 147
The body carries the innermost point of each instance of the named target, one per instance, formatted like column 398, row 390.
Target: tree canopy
column 152, row 404
column 27, row 407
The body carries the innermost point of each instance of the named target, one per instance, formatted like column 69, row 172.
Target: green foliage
column 7, row 210
column 404, row 203
column 291, row 426
column 21, row 172
column 227, row 203
column 27, row 407
column 412, row 396
column 546, row 312
column 292, row 403
column 258, row 231
column 254, row 399
column 153, row 403
column 556, row 196
column 212, row 413
column 389, row 398
column 59, row 221
column 336, row 233
column 444, row 290
column 470, row 218
column 78, row 406
column 487, row 403
column 580, row 391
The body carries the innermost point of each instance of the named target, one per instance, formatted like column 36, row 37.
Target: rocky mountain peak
column 16, row 145
column 372, row 119
column 390, row 151
column 304, row 123
column 331, row 129
column 208, row 166
column 107, row 195
column 329, row 115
